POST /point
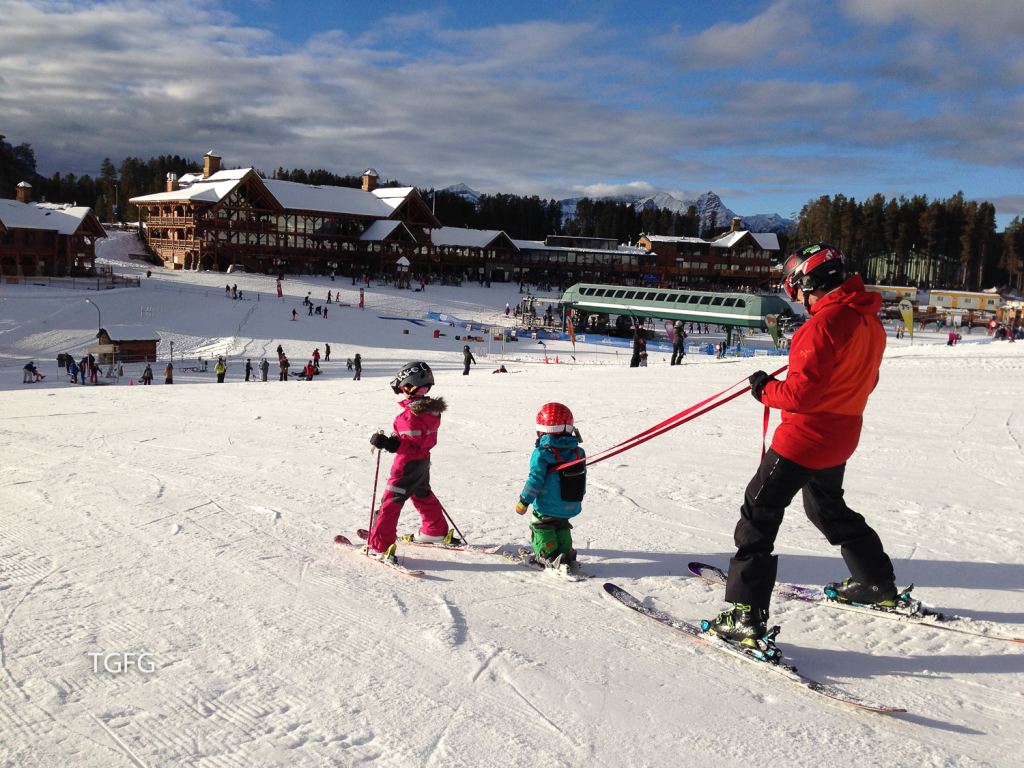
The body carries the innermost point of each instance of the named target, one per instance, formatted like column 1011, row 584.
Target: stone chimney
column 24, row 192
column 172, row 182
column 370, row 177
column 211, row 164
column 736, row 225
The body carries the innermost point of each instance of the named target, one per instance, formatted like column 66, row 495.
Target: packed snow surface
column 195, row 523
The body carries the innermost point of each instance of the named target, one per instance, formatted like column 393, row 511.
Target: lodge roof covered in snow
column 380, row 203
column 62, row 219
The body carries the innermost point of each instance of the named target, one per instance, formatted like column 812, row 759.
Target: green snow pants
column 551, row 536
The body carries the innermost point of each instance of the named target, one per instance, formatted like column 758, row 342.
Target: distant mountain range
column 710, row 209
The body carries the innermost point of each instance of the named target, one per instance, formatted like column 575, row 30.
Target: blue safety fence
column 607, row 341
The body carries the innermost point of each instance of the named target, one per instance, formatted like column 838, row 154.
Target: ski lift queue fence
column 598, row 339
column 80, row 283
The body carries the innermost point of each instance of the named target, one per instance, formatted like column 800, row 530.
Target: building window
column 28, row 238
column 48, row 239
column 8, row 238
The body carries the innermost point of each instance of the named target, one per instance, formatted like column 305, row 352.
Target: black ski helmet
column 411, row 377
column 813, row 267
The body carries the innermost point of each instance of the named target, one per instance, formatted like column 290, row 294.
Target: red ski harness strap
column 558, row 458
column 691, row 413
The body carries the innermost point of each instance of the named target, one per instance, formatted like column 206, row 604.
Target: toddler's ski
column 525, row 558
column 344, row 542
column 923, row 616
column 787, row 672
column 364, row 534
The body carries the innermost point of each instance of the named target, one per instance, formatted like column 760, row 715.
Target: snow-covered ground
column 196, row 524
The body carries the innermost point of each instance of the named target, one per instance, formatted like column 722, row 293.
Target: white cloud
column 776, row 35
column 986, row 21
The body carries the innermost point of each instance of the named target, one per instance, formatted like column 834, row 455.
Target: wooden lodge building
column 234, row 217
column 739, row 256
column 46, row 239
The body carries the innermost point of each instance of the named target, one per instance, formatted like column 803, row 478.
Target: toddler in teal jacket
column 555, row 495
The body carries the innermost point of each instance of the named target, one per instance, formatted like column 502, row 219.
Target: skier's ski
column 343, row 541
column 921, row 616
column 525, row 558
column 787, row 672
column 364, row 534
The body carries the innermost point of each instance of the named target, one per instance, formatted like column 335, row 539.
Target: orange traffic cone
column 556, row 359
column 131, row 382
column 545, row 359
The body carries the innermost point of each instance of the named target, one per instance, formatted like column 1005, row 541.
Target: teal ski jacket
column 543, row 488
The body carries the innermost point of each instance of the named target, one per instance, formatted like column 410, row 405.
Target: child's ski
column 343, row 541
column 694, row 633
column 362, row 533
column 525, row 559
column 922, row 616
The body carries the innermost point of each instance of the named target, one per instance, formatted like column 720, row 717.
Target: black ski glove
column 758, row 380
column 384, row 442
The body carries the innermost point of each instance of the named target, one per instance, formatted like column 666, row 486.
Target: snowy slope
column 195, row 523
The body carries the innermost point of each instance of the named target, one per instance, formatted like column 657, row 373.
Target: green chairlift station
column 731, row 310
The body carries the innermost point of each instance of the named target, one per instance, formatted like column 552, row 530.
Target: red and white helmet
column 818, row 265
column 555, row 419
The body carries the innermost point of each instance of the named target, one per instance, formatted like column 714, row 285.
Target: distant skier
column 467, row 358
column 280, row 352
column 358, row 364
column 327, row 352
column 557, row 496
column 678, row 343
column 169, row 374
column 29, row 374
column 248, row 368
column 293, row 314
column 147, row 375
column 414, row 433
column 220, row 369
column 264, row 369
column 280, row 294
column 834, row 360
column 316, row 358
column 328, row 297
column 325, row 313
column 507, row 310
column 283, row 365
column 73, row 370
column 309, row 371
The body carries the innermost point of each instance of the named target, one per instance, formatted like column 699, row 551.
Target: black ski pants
column 678, row 353
column 752, row 571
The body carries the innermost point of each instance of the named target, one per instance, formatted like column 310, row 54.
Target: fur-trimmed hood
column 423, row 405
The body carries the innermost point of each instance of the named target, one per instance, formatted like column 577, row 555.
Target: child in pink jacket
column 414, row 434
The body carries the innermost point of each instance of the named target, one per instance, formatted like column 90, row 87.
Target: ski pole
column 373, row 504
column 452, row 522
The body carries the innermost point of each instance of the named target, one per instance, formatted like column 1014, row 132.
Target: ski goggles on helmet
column 799, row 267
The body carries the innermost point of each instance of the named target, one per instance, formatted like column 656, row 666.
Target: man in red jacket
column 833, row 367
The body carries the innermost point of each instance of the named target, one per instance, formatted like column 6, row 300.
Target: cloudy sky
column 767, row 103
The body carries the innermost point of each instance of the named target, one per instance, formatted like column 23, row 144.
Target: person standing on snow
column 220, row 369
column 169, row 374
column 834, row 360
column 556, row 496
column 358, row 363
column 248, row 368
column 147, row 375
column 414, row 435
column 283, row 365
column 678, row 343
column 327, row 352
column 467, row 358
column 264, row 368
column 316, row 358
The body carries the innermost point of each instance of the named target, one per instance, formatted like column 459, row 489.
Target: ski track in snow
column 178, row 523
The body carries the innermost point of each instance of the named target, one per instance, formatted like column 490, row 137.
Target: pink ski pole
column 452, row 522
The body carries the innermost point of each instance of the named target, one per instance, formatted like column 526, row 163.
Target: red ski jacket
column 833, row 367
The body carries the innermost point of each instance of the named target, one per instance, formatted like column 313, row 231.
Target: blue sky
column 769, row 104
